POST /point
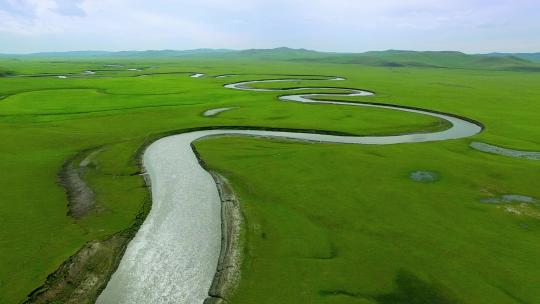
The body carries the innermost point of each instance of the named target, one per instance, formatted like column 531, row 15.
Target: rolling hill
column 389, row 58
column 131, row 54
column 434, row 59
column 535, row 57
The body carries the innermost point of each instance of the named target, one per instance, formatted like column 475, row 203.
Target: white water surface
column 504, row 151
column 216, row 111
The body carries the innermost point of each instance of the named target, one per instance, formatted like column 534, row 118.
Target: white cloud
column 350, row 25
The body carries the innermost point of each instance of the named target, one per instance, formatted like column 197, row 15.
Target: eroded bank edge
column 81, row 198
column 227, row 274
column 84, row 275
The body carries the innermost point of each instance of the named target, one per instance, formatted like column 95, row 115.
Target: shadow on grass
column 409, row 290
column 412, row 290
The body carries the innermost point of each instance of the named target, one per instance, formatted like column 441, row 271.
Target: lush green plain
column 324, row 223
column 346, row 224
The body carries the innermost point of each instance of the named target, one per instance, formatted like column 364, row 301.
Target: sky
column 472, row 26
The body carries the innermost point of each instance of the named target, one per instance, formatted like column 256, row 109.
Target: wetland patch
column 509, row 198
column 424, row 176
column 480, row 146
column 216, row 111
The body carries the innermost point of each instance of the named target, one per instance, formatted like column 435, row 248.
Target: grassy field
column 355, row 228
column 342, row 224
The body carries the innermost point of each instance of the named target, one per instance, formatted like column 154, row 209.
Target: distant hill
column 172, row 53
column 441, row 59
column 535, row 57
column 4, row 72
column 67, row 54
column 434, row 59
column 389, row 58
column 282, row 53
column 135, row 54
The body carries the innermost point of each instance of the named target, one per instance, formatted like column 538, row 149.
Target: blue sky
column 330, row 25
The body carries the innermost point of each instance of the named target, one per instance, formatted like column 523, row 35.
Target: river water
column 174, row 255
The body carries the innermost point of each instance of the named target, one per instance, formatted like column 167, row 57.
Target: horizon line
column 247, row 49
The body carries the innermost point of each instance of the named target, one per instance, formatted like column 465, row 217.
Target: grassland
column 355, row 228
column 342, row 224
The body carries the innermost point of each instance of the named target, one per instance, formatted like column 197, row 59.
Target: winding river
column 174, row 256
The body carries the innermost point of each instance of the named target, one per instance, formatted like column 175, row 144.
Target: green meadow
column 323, row 223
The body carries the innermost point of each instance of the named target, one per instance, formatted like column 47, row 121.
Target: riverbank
column 82, row 277
column 227, row 274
